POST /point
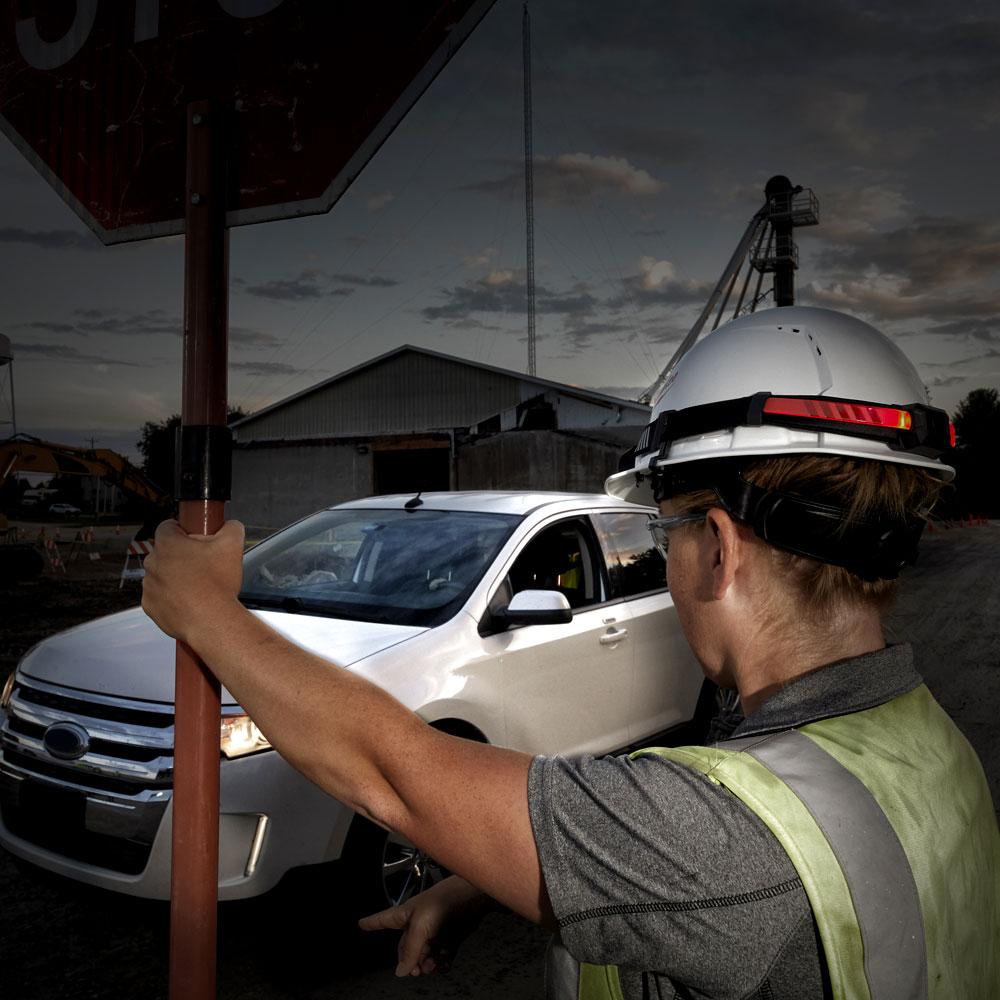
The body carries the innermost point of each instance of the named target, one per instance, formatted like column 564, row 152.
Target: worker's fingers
column 233, row 532
column 393, row 919
column 186, row 583
column 168, row 529
column 414, row 950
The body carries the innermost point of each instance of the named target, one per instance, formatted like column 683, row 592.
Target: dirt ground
column 60, row 940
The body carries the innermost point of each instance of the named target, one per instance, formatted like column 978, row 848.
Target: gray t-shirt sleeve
column 650, row 866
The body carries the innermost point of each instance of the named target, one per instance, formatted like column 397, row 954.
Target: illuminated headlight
column 7, row 689
column 240, row 736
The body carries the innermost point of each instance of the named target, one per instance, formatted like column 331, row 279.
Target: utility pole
column 529, row 187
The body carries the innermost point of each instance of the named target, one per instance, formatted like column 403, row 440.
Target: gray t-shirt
column 651, row 867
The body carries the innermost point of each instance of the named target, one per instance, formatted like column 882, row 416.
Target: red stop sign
column 94, row 94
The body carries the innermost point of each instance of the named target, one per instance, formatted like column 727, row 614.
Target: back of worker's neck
column 768, row 663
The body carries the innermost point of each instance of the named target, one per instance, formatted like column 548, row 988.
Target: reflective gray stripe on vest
column 562, row 972
column 871, row 857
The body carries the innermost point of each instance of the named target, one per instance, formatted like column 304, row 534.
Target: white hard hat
column 788, row 380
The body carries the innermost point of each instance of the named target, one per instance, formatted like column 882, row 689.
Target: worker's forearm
column 338, row 729
column 464, row 803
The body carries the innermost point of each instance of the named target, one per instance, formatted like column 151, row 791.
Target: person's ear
column 724, row 550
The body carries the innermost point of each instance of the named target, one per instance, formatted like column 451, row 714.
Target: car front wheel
column 384, row 869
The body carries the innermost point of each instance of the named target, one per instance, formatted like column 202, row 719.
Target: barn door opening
column 411, row 470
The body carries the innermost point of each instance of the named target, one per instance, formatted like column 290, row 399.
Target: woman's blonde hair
column 866, row 489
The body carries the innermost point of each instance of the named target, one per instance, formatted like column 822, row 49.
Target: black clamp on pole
column 204, row 466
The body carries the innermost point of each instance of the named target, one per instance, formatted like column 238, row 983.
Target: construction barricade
column 135, row 554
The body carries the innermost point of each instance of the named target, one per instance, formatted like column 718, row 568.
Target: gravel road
column 60, row 941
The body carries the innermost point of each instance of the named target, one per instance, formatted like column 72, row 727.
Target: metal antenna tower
column 768, row 247
column 7, row 361
column 529, row 187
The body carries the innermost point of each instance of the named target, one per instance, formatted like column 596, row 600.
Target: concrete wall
column 275, row 485
column 536, row 460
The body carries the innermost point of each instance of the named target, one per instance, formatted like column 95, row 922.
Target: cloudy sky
column 656, row 126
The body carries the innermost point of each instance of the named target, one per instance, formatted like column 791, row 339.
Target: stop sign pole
column 203, row 487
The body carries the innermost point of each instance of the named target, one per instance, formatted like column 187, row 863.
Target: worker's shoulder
column 661, row 815
column 638, row 852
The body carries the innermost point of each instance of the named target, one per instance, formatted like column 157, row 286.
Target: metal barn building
column 414, row 420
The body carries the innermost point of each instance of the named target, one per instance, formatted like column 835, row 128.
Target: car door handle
column 613, row 636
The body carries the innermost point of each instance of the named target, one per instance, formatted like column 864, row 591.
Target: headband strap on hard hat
column 871, row 550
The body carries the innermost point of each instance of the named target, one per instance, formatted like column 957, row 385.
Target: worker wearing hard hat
column 842, row 843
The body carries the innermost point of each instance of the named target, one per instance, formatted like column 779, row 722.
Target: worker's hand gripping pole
column 202, row 488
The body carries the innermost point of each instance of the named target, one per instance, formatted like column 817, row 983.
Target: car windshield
column 392, row 566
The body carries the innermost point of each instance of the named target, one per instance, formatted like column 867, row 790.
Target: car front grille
column 104, row 808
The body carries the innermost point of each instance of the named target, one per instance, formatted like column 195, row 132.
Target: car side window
column 635, row 565
column 561, row 557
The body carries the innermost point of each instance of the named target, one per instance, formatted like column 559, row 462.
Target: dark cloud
column 62, row 352
column 370, row 280
column 468, row 323
column 141, row 324
column 856, row 211
column 651, row 232
column 49, row 327
column 100, row 313
column 943, row 381
column 657, row 284
column 50, row 239
column 885, row 303
column 294, row 289
column 569, row 177
column 152, row 322
column 314, row 284
column 978, row 328
column 247, row 337
column 578, row 333
column 266, row 368
column 929, row 253
column 503, row 292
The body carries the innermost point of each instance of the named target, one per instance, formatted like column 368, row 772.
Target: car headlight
column 241, row 736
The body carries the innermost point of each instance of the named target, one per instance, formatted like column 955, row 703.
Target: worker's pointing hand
column 191, row 579
column 434, row 923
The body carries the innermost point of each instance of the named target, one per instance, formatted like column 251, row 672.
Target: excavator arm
column 23, row 453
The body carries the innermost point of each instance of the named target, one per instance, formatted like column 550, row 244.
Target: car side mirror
column 535, row 607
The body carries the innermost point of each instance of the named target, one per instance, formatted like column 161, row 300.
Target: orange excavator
column 23, row 453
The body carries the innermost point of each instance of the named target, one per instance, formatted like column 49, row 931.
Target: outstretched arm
column 465, row 803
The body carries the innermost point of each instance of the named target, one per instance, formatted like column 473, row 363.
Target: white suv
column 539, row 621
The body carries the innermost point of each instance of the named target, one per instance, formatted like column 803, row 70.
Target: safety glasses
column 660, row 526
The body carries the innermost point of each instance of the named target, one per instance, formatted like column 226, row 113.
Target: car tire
column 383, row 869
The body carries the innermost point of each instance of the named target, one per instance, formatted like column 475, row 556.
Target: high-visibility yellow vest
column 887, row 817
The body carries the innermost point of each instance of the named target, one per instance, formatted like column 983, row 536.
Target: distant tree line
column 976, row 457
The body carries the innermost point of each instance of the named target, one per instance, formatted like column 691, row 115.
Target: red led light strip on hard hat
column 840, row 412
column 914, row 427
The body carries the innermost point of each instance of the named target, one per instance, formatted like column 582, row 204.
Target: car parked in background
column 64, row 508
column 538, row 621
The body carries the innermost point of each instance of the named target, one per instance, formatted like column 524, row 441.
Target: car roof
column 493, row 501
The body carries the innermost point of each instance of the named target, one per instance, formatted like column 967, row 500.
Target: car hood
column 126, row 656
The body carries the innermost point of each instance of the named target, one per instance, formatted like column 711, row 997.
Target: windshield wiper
column 293, row 605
